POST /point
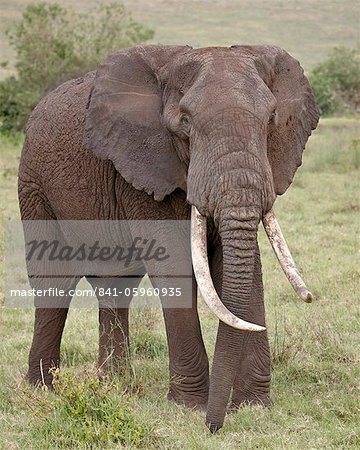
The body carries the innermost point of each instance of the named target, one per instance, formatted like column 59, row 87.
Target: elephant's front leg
column 252, row 382
column 188, row 362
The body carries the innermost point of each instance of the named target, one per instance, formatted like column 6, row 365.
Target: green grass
column 314, row 347
column 308, row 29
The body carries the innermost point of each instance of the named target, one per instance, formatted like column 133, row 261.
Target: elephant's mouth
column 202, row 271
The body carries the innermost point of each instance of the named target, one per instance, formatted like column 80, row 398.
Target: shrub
column 54, row 44
column 336, row 82
column 11, row 104
column 87, row 413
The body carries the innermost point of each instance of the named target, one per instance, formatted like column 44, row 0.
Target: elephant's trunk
column 238, row 230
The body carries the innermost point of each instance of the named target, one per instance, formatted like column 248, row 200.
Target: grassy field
column 308, row 29
column 314, row 347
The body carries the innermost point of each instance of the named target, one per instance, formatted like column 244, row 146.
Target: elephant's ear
column 296, row 112
column 123, row 121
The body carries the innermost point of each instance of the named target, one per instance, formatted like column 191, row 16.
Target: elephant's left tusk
column 283, row 254
column 203, row 277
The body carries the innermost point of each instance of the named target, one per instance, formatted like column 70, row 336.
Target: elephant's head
column 228, row 126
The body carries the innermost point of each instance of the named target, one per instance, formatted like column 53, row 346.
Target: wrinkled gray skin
column 155, row 130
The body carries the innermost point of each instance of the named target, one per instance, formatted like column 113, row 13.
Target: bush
column 87, row 413
column 11, row 104
column 336, row 82
column 54, row 44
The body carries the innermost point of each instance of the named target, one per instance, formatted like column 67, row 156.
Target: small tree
column 336, row 81
column 54, row 44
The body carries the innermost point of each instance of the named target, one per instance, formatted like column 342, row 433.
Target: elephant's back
column 56, row 124
column 68, row 98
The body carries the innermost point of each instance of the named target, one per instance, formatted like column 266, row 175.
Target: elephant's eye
column 272, row 117
column 185, row 120
column 185, row 123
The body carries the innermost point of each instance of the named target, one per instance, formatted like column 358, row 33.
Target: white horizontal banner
column 45, row 261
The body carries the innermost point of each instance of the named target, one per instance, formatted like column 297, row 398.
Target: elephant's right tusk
column 283, row 254
column 203, row 277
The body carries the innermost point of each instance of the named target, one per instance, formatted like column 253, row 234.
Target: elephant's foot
column 193, row 402
column 40, row 373
column 113, row 367
column 241, row 400
column 191, row 392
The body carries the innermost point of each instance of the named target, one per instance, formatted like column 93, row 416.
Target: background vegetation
column 314, row 347
column 308, row 29
column 336, row 82
column 54, row 44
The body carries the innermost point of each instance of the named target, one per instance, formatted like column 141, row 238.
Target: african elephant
column 156, row 131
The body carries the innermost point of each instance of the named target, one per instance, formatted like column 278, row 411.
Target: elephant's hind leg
column 48, row 329
column 50, row 310
column 114, row 321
